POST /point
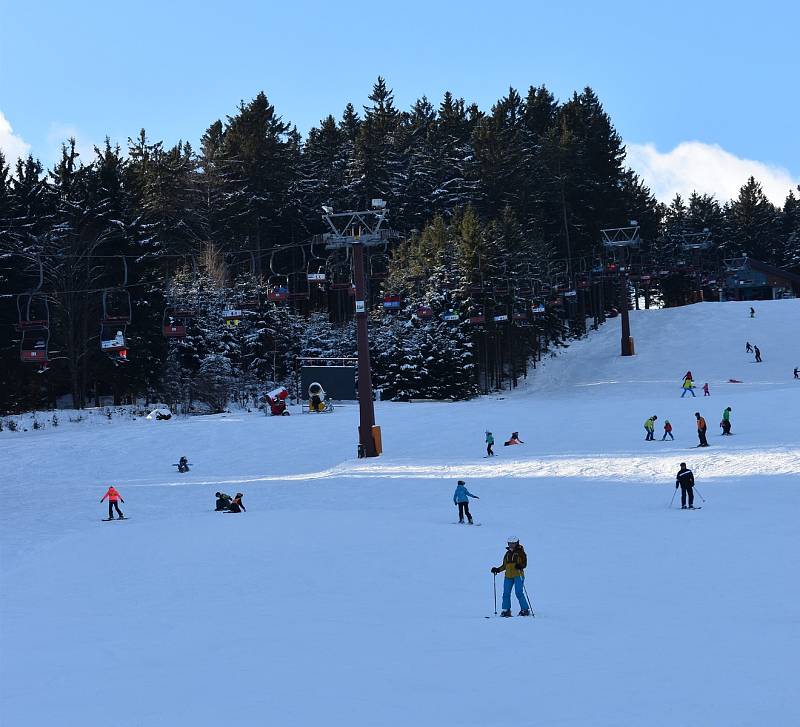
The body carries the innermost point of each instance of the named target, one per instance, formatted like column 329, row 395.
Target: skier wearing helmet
column 514, row 563
column 461, row 500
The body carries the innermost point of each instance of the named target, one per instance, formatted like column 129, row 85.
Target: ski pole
column 673, row 498
column 698, row 492
column 494, row 582
column 527, row 597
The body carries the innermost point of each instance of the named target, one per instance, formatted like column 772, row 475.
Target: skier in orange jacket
column 702, row 428
column 113, row 496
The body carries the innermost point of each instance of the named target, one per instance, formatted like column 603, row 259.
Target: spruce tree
column 790, row 252
column 751, row 224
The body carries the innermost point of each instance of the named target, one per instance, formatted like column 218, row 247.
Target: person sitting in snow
column 223, row 501
column 461, row 499
column 236, row 504
column 183, row 464
column 514, row 439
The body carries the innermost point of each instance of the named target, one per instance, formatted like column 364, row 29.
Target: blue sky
column 703, row 92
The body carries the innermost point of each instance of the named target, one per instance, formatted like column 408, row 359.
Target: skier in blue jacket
column 461, row 498
column 489, row 444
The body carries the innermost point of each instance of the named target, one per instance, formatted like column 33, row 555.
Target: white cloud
column 707, row 169
column 14, row 147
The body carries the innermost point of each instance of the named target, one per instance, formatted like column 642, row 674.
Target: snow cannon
column 277, row 401
column 316, row 397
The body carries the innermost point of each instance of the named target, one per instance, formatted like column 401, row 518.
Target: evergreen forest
column 205, row 262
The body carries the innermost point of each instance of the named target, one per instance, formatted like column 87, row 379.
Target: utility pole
column 623, row 238
column 355, row 231
column 366, row 407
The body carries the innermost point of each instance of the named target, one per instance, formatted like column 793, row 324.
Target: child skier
column 113, row 496
column 461, row 499
column 514, row 563
column 513, row 439
column 685, row 480
column 489, row 443
column 649, row 427
column 726, row 421
column 706, row 392
column 667, row 431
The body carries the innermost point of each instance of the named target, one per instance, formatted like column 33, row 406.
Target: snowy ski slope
column 346, row 593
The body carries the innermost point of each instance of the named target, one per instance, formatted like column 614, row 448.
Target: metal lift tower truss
column 364, row 227
column 698, row 241
column 621, row 237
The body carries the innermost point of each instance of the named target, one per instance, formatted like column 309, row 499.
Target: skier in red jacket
column 113, row 496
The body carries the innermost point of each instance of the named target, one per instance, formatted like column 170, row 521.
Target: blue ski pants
column 518, row 585
column 684, row 392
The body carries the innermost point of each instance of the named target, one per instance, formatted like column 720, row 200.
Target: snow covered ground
column 346, row 593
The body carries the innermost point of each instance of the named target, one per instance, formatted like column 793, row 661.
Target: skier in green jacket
column 726, row 421
column 649, row 427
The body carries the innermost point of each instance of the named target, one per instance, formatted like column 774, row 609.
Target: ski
column 475, row 524
column 109, row 519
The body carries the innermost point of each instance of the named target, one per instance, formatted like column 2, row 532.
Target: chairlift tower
column 355, row 231
column 623, row 239
column 696, row 243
